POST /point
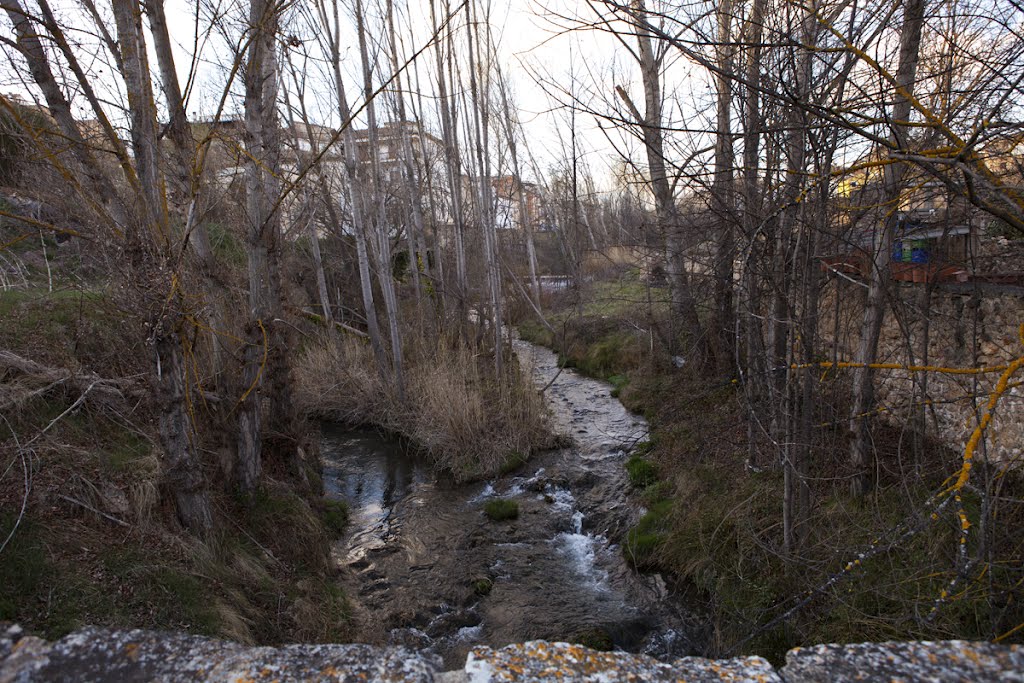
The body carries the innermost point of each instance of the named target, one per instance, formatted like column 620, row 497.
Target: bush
column 618, row 382
column 501, row 509
column 513, row 462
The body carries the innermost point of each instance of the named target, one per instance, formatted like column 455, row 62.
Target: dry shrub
column 338, row 380
column 457, row 412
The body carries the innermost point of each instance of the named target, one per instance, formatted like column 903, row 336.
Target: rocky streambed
column 429, row 571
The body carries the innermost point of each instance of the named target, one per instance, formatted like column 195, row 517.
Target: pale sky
column 532, row 43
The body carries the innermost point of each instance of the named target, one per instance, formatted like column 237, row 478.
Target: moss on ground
column 334, row 514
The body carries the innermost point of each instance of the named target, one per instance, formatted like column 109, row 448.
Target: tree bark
column 266, row 372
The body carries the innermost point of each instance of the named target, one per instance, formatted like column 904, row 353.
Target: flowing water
column 419, row 546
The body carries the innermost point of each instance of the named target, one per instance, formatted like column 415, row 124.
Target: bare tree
column 861, row 454
column 148, row 241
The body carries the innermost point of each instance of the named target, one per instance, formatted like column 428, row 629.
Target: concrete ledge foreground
column 103, row 655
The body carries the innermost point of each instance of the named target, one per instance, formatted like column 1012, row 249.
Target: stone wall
column 99, row 656
column 964, row 329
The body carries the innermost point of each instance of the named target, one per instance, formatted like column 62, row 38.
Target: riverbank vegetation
column 85, row 526
column 712, row 522
column 454, row 412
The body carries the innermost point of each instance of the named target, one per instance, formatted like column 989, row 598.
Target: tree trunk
column 330, row 26
column 683, row 305
column 265, row 362
column 453, row 165
column 861, row 454
column 380, row 245
column 722, row 330
column 752, row 206
column 182, row 471
column 479, row 93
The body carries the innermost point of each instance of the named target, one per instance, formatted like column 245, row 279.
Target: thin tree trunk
column 449, row 134
column 479, row 94
column 331, row 28
column 861, row 454
column 415, row 231
column 722, row 332
column 752, row 205
column 796, row 240
column 684, row 307
column 380, row 245
column 524, row 216
column 186, row 183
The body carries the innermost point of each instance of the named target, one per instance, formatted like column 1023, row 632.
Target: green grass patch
column 535, row 332
column 625, row 298
column 642, row 473
column 72, row 328
column 335, row 516
column 618, row 382
column 645, row 539
column 513, row 462
column 24, row 566
column 227, row 247
column 483, row 586
column 124, row 451
column 501, row 509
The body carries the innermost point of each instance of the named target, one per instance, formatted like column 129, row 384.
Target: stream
column 419, row 546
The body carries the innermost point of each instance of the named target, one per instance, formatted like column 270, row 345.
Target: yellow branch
column 263, row 363
column 896, row 366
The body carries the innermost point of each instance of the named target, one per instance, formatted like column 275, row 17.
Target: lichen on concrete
column 937, row 662
column 103, row 655
column 542, row 661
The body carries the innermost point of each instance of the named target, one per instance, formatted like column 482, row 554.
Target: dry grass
column 468, row 422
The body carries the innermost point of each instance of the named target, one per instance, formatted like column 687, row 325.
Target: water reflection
column 368, row 472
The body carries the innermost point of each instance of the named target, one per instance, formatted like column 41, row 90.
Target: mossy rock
column 501, row 509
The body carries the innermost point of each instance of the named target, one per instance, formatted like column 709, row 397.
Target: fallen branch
column 351, row 330
column 101, row 388
column 90, row 508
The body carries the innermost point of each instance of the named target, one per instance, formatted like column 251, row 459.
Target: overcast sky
column 547, row 63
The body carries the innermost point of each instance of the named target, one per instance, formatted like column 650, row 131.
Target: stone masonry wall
column 965, row 329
